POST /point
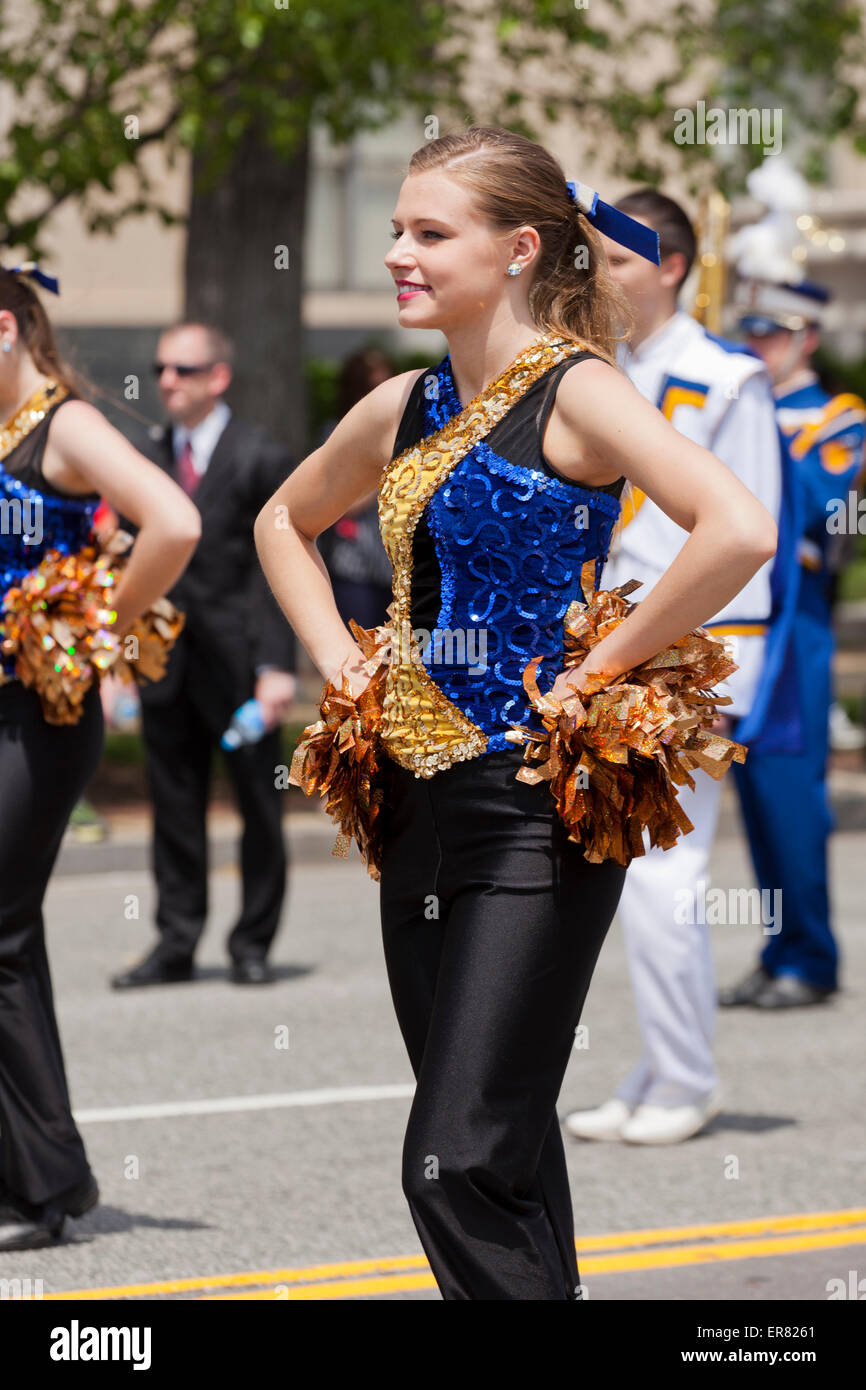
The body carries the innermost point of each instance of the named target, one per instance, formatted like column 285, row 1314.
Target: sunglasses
column 181, row 368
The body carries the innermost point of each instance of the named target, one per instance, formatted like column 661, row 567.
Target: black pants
column 43, row 771
column 492, row 922
column 180, row 737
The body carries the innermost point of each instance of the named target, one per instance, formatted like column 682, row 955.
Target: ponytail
column 37, row 334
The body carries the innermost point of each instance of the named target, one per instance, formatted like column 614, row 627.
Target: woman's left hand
column 573, row 681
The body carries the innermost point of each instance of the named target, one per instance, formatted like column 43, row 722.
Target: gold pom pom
column 614, row 754
column 339, row 756
column 58, row 625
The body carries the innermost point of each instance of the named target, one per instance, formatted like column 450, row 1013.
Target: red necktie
column 187, row 476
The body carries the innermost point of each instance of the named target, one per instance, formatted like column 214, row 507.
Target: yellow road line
column 599, row 1264
column 732, row 1250
column 800, row 1221
column 345, row 1288
column 254, row 1277
column 806, row 1231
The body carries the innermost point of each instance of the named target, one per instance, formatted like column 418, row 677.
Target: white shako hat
column 772, row 290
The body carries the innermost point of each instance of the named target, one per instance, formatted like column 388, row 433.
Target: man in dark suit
column 236, row 644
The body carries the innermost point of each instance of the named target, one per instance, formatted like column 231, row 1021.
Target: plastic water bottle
column 126, row 711
column 247, row 726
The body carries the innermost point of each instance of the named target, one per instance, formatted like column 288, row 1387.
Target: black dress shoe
column 27, row 1225
column 153, row 970
column 251, row 970
column 790, row 992
column 77, row 1200
column 748, row 989
column 24, row 1227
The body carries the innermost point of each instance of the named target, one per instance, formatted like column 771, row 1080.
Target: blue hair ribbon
column 30, row 268
column 615, row 224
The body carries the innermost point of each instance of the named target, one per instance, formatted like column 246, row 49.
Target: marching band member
column 720, row 398
column 783, row 784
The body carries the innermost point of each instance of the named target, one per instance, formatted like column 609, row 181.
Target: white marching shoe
column 657, row 1124
column 844, row 735
column 605, row 1122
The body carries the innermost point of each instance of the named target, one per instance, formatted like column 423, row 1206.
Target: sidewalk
column 311, row 833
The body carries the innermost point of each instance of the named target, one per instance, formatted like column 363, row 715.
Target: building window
column 353, row 190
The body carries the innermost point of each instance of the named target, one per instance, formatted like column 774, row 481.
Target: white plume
column 763, row 250
column 777, row 184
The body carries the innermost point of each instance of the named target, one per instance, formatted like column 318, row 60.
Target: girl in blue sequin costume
column 58, row 456
column 498, row 473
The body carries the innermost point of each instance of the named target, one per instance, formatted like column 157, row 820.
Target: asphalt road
column 247, row 1140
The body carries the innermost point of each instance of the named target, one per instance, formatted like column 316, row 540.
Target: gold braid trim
column 28, row 417
column 421, row 728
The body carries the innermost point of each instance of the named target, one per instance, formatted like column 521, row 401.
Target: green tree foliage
column 198, row 75
column 87, row 86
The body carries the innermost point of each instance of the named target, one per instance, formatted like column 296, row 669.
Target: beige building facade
column 118, row 291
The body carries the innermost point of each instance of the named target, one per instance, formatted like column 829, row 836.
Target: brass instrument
column 713, row 224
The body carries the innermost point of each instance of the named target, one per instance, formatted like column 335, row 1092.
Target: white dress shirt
column 202, row 437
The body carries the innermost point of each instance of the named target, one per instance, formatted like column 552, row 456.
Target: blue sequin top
column 497, row 555
column 35, row 516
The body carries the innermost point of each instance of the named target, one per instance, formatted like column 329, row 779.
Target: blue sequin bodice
column 511, row 544
column 33, row 522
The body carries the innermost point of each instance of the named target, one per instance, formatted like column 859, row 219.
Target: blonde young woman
column 492, row 919
column 58, row 457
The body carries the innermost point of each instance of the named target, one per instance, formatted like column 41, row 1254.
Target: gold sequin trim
column 28, row 417
column 422, row 729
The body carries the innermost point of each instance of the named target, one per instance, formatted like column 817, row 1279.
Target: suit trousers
column 492, row 922
column 180, row 737
column 787, row 810
column 44, row 768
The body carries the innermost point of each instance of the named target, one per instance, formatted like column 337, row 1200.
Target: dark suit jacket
column 233, row 621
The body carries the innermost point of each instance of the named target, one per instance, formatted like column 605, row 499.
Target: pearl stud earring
column 514, row 268
column 7, row 347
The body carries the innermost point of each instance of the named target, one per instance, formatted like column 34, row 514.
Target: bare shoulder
column 368, row 430
column 588, row 385
column 75, row 414
column 387, row 401
column 73, row 420
column 401, row 386
column 77, row 432
column 589, row 395
column 597, row 403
